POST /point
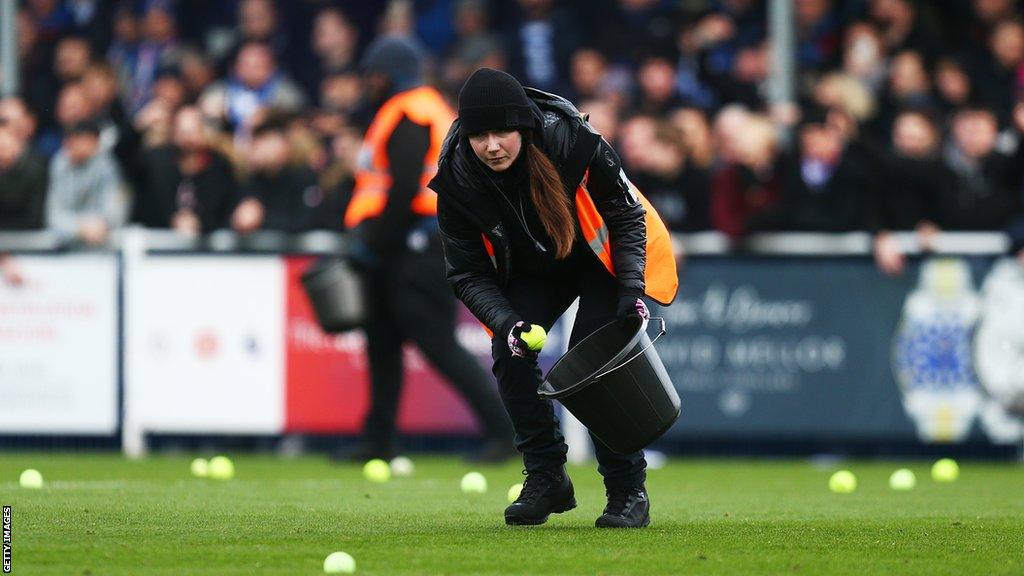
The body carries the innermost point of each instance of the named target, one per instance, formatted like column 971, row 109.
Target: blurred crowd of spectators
column 248, row 114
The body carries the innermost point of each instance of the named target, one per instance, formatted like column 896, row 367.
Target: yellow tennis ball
column 339, row 563
column 535, row 337
column 221, row 468
column 842, row 482
column 513, row 492
column 31, row 478
column 200, row 468
column 474, row 482
column 377, row 470
column 902, row 479
column 402, row 466
column 945, row 470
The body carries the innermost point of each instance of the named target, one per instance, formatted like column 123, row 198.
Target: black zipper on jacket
column 506, row 256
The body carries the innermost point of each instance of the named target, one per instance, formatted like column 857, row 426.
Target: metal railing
column 695, row 244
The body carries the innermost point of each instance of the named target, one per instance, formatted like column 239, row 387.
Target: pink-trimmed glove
column 518, row 345
column 632, row 306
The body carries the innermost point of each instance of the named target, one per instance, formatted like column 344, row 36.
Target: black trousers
column 542, row 301
column 411, row 301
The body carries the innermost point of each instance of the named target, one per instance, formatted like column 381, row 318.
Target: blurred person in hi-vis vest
column 392, row 219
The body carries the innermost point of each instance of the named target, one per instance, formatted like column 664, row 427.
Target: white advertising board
column 58, row 346
column 205, row 344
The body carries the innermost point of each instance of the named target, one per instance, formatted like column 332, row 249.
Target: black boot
column 544, row 493
column 627, row 508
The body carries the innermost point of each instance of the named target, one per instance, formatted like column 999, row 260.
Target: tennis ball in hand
column 945, row 470
column 339, row 563
column 31, row 478
column 377, row 470
column 200, row 468
column 535, row 337
column 474, row 482
column 221, row 468
column 842, row 482
column 902, row 479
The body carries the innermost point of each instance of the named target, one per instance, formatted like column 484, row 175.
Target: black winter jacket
column 468, row 209
column 165, row 190
column 23, row 194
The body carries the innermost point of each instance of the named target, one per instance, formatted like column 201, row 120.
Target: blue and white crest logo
column 932, row 352
column 935, row 353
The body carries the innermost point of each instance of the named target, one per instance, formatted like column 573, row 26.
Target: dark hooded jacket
column 468, row 209
column 385, row 235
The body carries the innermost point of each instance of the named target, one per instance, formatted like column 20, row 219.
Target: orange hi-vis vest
column 424, row 106
column 661, row 280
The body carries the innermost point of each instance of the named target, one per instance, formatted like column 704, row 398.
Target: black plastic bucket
column 615, row 383
column 336, row 291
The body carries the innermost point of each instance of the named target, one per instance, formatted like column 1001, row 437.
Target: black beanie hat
column 398, row 58
column 493, row 100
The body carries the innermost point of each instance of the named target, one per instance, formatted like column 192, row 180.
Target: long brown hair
column 549, row 198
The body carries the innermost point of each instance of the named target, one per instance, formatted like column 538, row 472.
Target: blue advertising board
column 830, row 348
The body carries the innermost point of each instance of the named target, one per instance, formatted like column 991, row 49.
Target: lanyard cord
column 519, row 214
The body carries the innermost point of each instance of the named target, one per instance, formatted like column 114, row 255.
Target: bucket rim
column 590, row 379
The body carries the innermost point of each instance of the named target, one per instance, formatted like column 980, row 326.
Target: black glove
column 631, row 306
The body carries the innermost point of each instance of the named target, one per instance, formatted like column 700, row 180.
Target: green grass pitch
column 100, row 514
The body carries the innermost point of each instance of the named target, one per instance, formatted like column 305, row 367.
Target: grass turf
column 102, row 515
